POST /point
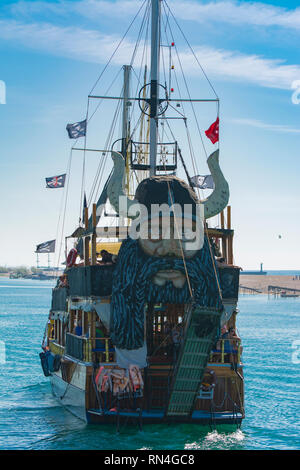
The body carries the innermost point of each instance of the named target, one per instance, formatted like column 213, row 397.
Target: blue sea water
column 30, row 417
column 284, row 273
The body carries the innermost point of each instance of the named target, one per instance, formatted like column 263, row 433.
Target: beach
column 261, row 283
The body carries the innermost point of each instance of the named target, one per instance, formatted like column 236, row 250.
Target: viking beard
column 133, row 287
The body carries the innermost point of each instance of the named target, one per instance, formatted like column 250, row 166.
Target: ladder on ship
column 200, row 333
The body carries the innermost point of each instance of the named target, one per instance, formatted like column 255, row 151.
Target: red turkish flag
column 213, row 132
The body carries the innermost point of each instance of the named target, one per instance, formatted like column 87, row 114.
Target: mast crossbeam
column 172, row 100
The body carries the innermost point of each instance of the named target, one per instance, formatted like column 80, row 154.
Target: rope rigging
column 141, row 51
column 118, row 46
column 144, row 28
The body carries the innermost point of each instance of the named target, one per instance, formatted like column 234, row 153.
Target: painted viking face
column 167, row 237
column 163, row 237
column 152, row 269
column 169, row 190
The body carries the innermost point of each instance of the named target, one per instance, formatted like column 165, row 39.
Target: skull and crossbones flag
column 46, row 247
column 56, row 181
column 76, row 130
column 212, row 132
column 203, row 182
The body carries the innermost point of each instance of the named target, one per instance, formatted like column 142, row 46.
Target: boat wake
column 220, row 440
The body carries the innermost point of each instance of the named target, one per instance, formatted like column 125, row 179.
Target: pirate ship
column 142, row 324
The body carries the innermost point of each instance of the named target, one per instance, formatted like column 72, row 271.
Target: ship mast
column 154, row 90
column 126, row 122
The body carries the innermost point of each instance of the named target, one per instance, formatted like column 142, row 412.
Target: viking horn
column 213, row 205
column 218, row 200
column 115, row 187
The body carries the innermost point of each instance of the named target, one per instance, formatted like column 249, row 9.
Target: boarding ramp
column 201, row 330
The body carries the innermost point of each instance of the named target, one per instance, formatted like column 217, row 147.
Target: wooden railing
column 103, row 348
column 75, row 346
column 83, row 348
column 56, row 348
column 236, row 349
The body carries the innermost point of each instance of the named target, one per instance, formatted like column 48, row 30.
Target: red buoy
column 71, row 257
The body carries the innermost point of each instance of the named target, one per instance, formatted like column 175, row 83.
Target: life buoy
column 71, row 257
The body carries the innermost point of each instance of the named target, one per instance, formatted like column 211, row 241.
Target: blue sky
column 51, row 53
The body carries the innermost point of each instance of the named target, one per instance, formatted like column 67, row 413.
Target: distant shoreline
column 33, row 276
column 261, row 283
column 272, row 272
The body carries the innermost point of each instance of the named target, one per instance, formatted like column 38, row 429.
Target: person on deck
column 215, row 247
column 78, row 328
column 224, row 336
column 224, row 332
column 234, row 344
column 168, row 343
column 176, row 338
column 107, row 257
column 210, row 380
column 63, row 281
column 100, row 343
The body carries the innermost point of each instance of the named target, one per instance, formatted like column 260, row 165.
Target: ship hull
column 199, row 382
column 155, row 417
column 78, row 397
column 70, row 395
column 73, row 399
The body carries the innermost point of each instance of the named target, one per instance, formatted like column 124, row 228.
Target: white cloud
column 94, row 46
column 237, row 12
column 245, row 68
column 119, row 8
column 26, row 9
column 73, row 42
column 263, row 125
column 225, row 11
column 93, row 9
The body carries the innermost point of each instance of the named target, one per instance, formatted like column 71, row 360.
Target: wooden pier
column 249, row 290
column 283, row 291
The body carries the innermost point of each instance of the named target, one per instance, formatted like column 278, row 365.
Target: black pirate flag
column 46, row 247
column 56, row 181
